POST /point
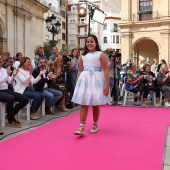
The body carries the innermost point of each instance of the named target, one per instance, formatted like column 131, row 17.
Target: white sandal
column 94, row 128
column 80, row 132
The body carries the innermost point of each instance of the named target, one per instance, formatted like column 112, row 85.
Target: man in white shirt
column 10, row 97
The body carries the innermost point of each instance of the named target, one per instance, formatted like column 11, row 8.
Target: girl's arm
column 104, row 64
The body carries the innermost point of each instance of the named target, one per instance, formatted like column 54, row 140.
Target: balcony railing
column 82, row 34
column 146, row 15
column 82, row 23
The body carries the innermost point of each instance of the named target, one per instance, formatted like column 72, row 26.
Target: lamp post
column 52, row 25
column 94, row 13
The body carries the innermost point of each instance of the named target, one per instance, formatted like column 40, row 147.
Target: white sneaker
column 167, row 104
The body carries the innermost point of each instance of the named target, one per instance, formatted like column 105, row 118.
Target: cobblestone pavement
column 10, row 132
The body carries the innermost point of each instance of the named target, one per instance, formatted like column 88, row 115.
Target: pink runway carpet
column 128, row 139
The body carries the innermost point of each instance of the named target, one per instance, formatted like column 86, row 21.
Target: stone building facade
column 145, row 29
column 78, row 26
column 21, row 26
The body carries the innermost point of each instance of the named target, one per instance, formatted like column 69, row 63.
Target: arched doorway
column 143, row 48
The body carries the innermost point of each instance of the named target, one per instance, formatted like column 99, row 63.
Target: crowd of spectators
column 23, row 80
column 53, row 80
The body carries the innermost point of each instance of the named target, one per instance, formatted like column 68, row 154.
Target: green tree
column 48, row 47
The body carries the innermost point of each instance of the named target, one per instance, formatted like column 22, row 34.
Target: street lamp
column 52, row 25
column 95, row 13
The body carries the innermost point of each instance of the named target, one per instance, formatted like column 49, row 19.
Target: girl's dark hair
column 17, row 59
column 72, row 53
column 96, row 41
column 23, row 60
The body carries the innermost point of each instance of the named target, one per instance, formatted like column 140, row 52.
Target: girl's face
column 27, row 64
column 74, row 53
column 91, row 44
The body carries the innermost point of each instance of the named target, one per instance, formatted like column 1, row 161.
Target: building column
column 126, row 10
column 126, row 47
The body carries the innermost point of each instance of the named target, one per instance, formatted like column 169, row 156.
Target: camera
column 114, row 54
column 65, row 59
column 145, row 76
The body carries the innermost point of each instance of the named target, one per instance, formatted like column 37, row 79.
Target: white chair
column 2, row 110
column 124, row 91
column 28, row 108
column 154, row 97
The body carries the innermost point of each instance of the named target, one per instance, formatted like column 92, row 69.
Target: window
column 63, row 25
column 105, row 27
column 72, row 20
column 115, row 27
column 63, row 14
column 72, row 31
column 93, row 29
column 72, row 42
column 145, row 10
column 74, row 8
column 82, row 21
column 105, row 40
column 63, row 36
column 117, row 39
column 145, row 5
column 113, row 39
column 82, row 42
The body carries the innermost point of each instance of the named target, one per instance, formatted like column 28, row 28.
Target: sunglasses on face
column 52, row 64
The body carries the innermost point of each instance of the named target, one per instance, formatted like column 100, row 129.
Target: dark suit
column 51, row 95
column 40, row 85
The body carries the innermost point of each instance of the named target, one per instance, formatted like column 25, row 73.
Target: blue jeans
column 37, row 97
column 51, row 96
column 72, row 79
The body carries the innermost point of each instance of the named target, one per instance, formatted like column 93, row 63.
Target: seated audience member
column 133, row 82
column 10, row 97
column 24, row 85
column 55, row 54
column 51, row 95
column 17, row 60
column 150, row 84
column 163, row 79
column 159, row 65
column 9, row 63
column 39, row 53
column 56, row 84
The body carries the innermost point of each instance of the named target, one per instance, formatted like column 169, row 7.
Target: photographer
column 114, row 65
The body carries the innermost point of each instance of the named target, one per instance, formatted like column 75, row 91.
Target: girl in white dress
column 92, row 87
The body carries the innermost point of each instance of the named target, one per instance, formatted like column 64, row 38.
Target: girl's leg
column 83, row 116
column 96, row 113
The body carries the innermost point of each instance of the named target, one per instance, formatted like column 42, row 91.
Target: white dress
column 91, row 82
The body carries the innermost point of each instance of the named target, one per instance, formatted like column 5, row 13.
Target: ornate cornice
column 23, row 12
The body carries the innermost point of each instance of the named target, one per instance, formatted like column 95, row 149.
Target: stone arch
column 144, row 47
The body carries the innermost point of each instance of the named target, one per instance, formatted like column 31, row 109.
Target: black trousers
column 151, row 88
column 137, row 89
column 10, row 98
